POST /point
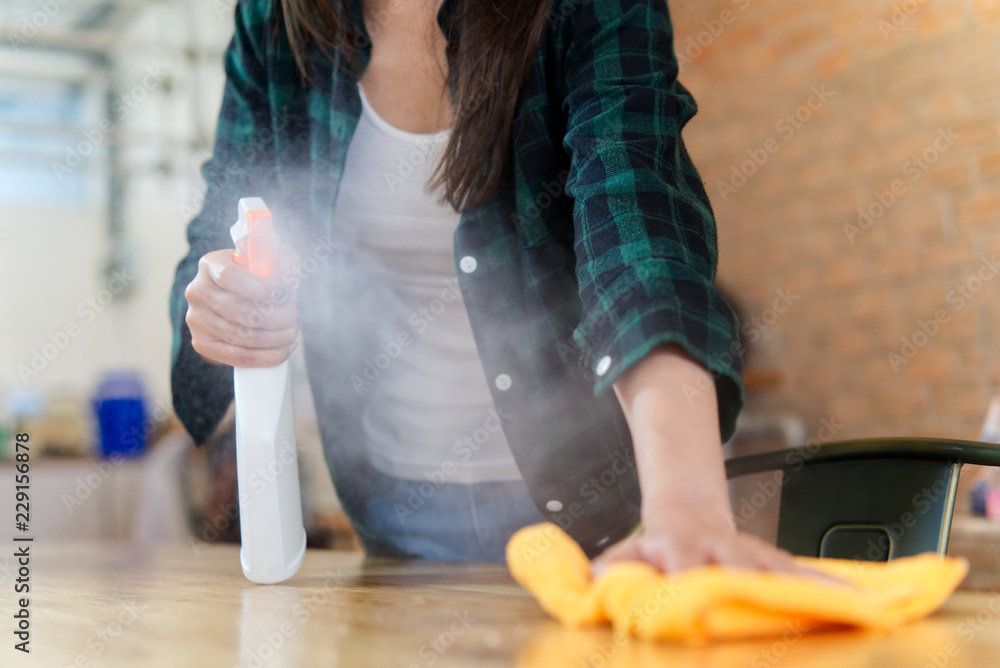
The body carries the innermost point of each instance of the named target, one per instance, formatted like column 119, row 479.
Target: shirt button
column 503, row 382
column 603, row 365
column 554, row 506
column 467, row 264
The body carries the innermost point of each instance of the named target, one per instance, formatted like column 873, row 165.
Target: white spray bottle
column 271, row 530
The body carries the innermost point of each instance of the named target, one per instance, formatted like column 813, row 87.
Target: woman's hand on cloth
column 685, row 538
column 669, row 402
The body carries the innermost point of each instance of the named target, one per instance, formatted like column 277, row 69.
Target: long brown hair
column 489, row 52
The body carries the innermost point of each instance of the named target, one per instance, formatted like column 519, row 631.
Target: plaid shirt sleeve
column 241, row 165
column 645, row 236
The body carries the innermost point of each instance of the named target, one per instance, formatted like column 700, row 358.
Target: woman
column 500, row 257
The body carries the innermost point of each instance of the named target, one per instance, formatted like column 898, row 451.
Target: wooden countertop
column 144, row 607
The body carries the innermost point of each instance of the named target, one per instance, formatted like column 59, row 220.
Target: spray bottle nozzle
column 254, row 237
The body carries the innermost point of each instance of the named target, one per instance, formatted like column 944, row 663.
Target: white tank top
column 429, row 413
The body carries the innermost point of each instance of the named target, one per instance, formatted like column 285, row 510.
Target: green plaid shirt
column 600, row 245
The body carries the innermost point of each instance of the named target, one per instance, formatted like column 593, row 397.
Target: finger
column 626, row 550
column 241, row 311
column 771, row 558
column 218, row 328
column 230, row 277
column 273, row 315
column 763, row 556
column 672, row 558
column 782, row 561
column 227, row 353
column 767, row 556
column 746, row 553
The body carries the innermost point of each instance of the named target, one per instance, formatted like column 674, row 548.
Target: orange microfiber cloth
column 719, row 603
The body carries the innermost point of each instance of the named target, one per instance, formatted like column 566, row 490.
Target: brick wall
column 851, row 150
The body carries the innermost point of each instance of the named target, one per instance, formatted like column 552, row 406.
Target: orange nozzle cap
column 261, row 252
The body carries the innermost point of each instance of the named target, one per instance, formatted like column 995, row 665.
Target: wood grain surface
column 119, row 605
